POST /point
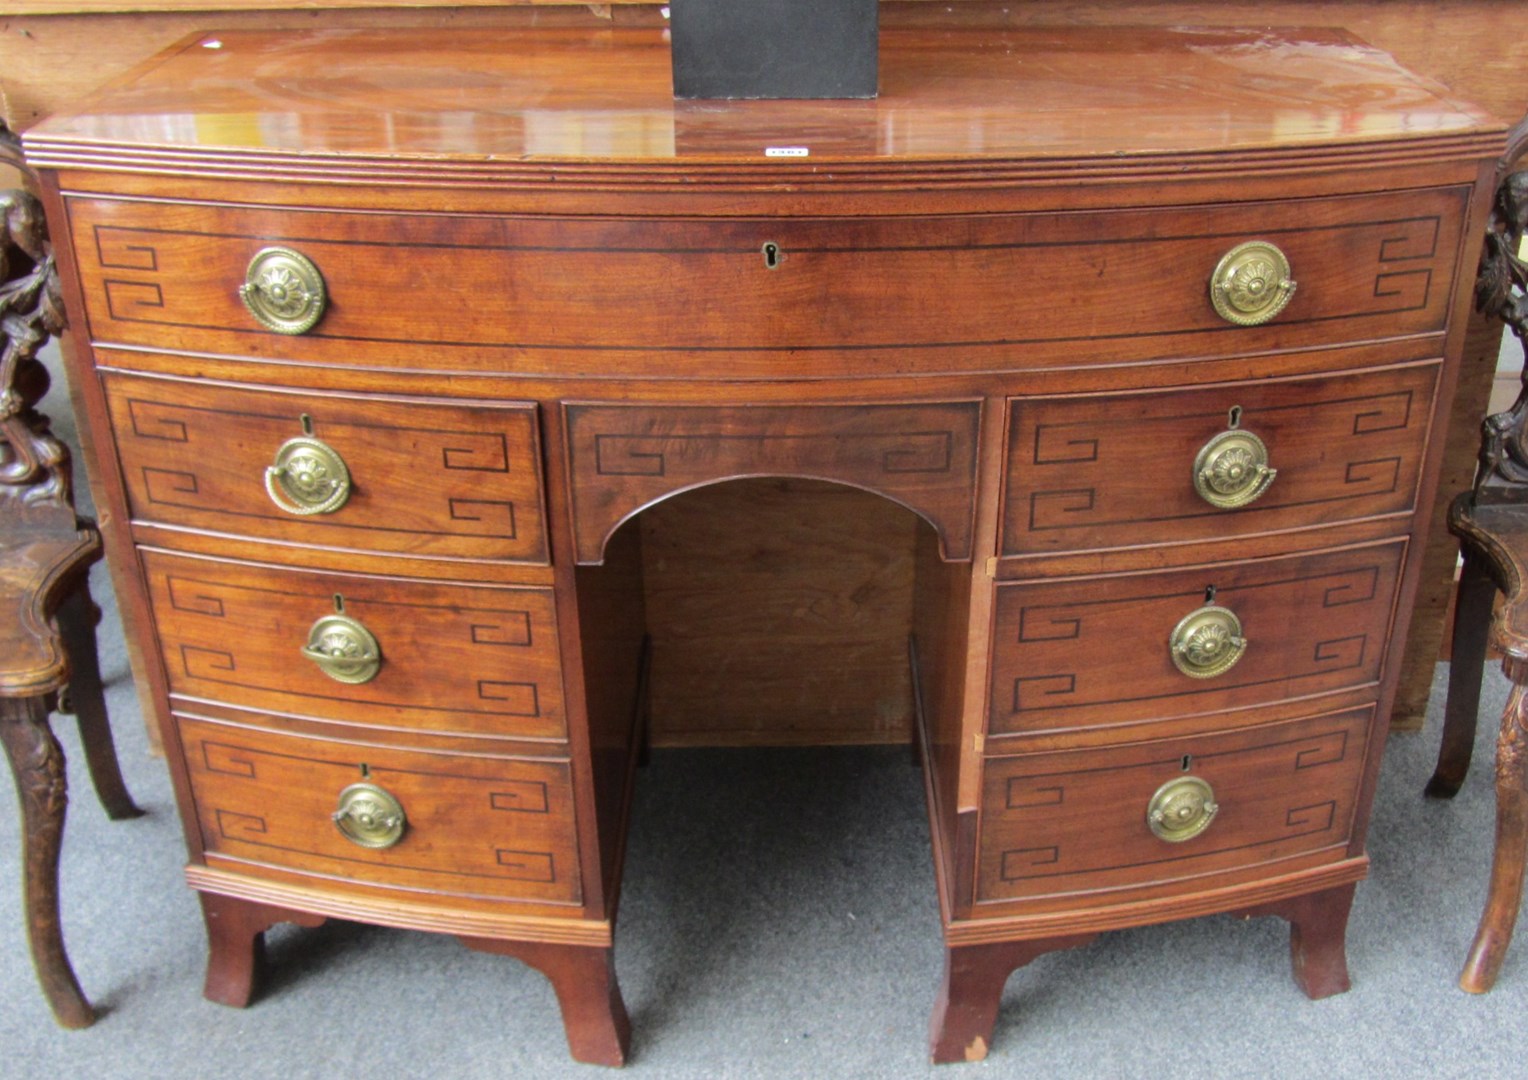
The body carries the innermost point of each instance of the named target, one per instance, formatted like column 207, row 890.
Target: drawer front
column 1098, row 652
column 578, row 293
column 624, row 457
column 1072, row 822
column 1118, row 470
column 425, row 478
column 454, row 659
column 472, row 826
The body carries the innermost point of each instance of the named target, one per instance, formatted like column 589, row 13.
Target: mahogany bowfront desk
column 383, row 341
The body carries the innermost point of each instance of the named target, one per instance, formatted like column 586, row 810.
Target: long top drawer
column 746, row 296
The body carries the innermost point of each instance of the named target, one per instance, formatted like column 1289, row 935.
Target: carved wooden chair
column 1491, row 522
column 48, row 656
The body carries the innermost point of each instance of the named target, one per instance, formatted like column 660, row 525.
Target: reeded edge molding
column 839, row 175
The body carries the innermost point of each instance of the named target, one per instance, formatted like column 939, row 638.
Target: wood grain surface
column 1096, row 471
column 494, row 827
column 1056, row 823
column 57, row 50
column 1074, row 654
column 624, row 458
column 702, row 298
column 455, row 659
column 803, row 633
column 427, row 477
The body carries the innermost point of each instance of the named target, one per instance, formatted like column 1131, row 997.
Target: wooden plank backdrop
column 752, row 646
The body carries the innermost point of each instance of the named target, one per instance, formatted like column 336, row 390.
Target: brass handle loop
column 1251, row 283
column 1231, row 470
column 284, row 291
column 343, row 649
column 370, row 816
column 1207, row 642
column 1181, row 809
column 308, row 477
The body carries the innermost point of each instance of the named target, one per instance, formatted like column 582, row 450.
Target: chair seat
column 1493, row 537
column 1498, row 535
column 35, row 570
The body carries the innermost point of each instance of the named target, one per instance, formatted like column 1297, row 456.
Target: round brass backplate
column 370, row 816
column 307, row 477
column 344, row 649
column 1251, row 283
column 284, row 291
column 1181, row 809
column 1207, row 642
column 1231, row 470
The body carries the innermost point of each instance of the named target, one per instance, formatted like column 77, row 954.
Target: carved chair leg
column 583, row 977
column 236, row 944
column 1318, row 928
column 77, row 620
column 974, row 976
column 1472, row 627
column 38, row 766
column 1506, row 891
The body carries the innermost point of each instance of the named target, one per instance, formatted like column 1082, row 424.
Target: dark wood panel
column 779, row 613
column 428, row 478
column 1112, row 286
column 1118, row 470
column 625, row 457
column 475, row 826
column 1071, row 822
column 615, row 659
column 943, row 640
column 1094, row 653
column 455, row 659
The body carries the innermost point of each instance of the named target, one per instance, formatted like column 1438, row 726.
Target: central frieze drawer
column 480, row 826
column 1181, row 465
column 623, row 457
column 419, row 477
column 1076, row 822
column 1099, row 652
column 451, row 659
column 576, row 294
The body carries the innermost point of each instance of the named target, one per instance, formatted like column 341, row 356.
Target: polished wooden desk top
column 605, row 96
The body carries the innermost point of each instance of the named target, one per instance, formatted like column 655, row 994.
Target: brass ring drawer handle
column 1207, row 642
column 1231, row 470
column 284, row 291
column 343, row 649
column 1181, row 809
column 1251, row 283
column 307, row 477
column 370, row 816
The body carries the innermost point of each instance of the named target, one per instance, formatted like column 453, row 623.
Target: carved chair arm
column 1502, row 472
column 34, row 466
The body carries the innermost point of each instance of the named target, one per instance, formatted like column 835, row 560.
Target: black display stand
column 774, row 48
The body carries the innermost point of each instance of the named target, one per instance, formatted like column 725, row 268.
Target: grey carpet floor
column 778, row 920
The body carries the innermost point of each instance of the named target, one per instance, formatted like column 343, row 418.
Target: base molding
column 1232, row 899
column 404, row 914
